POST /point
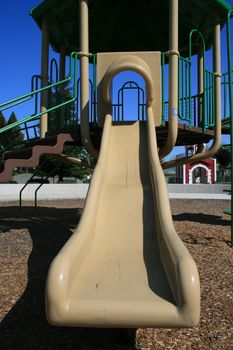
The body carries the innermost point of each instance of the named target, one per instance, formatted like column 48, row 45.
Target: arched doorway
column 199, row 174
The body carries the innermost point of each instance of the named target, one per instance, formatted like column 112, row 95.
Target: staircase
column 29, row 156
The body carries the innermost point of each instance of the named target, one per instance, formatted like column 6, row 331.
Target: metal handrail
column 42, row 183
column 51, row 173
column 28, row 182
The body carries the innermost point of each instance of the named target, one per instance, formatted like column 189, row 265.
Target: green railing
column 225, row 96
column 184, row 91
column 72, row 77
column 209, row 100
column 193, row 109
column 187, row 103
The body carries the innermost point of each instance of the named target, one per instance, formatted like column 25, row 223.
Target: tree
column 2, row 120
column 63, row 169
column 223, row 156
column 12, row 137
column 56, row 97
column 2, row 124
column 15, row 135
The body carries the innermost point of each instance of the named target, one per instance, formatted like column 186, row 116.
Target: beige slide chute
column 125, row 265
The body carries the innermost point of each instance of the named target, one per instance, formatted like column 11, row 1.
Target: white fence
column 10, row 192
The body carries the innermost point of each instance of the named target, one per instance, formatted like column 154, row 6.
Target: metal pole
column 173, row 79
column 44, row 75
column 217, row 78
column 231, row 107
column 84, row 78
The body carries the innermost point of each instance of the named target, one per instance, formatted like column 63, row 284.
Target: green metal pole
column 190, row 74
column 231, row 107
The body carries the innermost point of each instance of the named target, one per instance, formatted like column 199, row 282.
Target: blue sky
column 20, row 43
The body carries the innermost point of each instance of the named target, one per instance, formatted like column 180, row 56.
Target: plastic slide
column 125, row 265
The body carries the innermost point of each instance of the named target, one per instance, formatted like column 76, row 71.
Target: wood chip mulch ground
column 29, row 240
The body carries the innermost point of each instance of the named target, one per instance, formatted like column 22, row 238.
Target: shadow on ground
column 202, row 218
column 25, row 326
column 208, row 238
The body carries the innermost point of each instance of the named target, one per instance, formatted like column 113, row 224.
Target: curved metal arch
column 141, row 97
column 137, row 87
column 124, row 86
column 190, row 42
column 53, row 63
column 201, row 38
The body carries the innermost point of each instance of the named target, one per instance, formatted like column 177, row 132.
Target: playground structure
column 125, row 265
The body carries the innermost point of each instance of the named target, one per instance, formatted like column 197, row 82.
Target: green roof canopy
column 128, row 25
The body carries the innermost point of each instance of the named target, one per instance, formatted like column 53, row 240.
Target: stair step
column 25, row 153
column 29, row 156
column 47, row 141
column 66, row 130
column 74, row 131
